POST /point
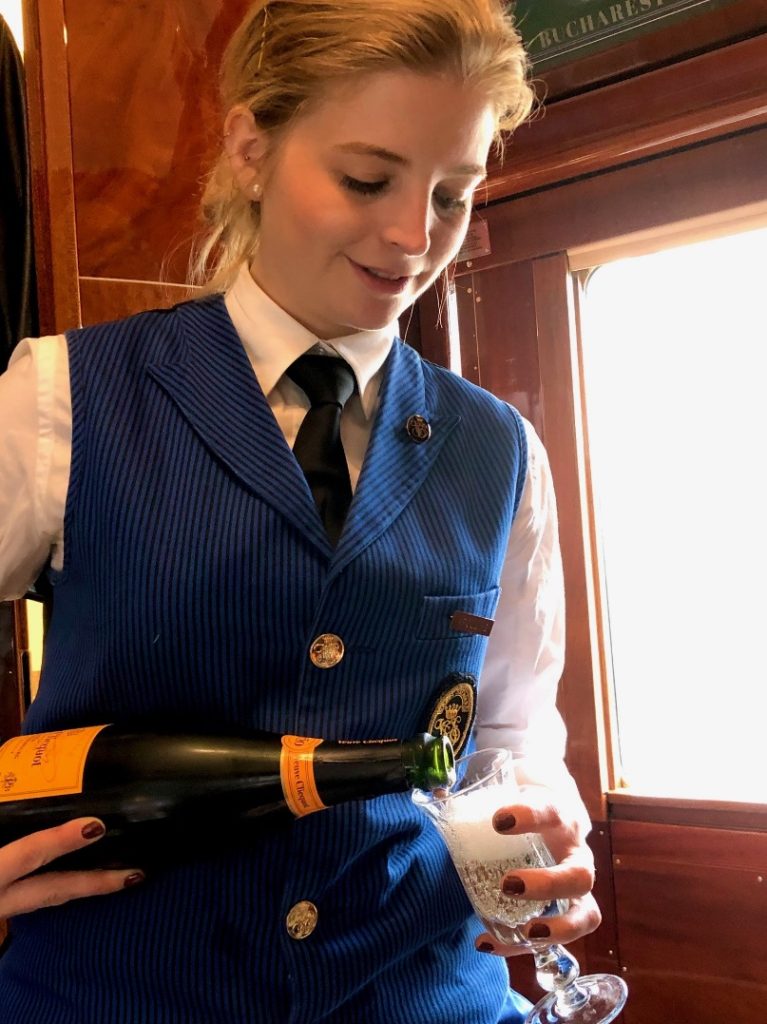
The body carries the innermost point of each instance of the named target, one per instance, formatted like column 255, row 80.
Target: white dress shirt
column 525, row 653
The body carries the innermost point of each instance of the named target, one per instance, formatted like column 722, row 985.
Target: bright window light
column 11, row 11
column 675, row 365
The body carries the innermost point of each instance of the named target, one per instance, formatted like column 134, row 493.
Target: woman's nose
column 408, row 226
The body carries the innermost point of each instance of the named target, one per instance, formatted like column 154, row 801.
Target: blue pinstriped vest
column 196, row 575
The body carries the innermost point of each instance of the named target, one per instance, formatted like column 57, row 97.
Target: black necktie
column 329, row 384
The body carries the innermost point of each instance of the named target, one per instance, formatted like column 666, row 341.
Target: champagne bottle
column 165, row 795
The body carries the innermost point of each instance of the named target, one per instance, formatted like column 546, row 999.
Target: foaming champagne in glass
column 485, row 782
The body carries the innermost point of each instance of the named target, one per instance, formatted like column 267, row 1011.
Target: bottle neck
column 428, row 762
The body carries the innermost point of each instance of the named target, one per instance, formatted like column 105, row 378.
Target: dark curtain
column 18, row 287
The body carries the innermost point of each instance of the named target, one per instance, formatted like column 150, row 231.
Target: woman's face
column 378, row 175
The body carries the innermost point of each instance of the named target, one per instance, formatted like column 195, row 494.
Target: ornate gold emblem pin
column 454, row 710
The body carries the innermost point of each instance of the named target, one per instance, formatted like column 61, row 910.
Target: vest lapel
column 215, row 389
column 395, row 466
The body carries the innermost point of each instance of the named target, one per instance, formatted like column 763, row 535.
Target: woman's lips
column 380, row 285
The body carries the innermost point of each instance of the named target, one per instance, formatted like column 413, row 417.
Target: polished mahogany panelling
column 107, row 299
column 145, row 128
column 700, row 98
column 692, row 904
column 498, row 334
column 50, row 157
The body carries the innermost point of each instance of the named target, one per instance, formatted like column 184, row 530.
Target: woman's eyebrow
column 366, row 149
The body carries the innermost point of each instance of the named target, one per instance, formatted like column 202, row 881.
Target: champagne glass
column 485, row 781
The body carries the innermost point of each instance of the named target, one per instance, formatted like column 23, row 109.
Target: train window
column 675, row 384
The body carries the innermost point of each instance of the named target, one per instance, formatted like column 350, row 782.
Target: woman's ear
column 245, row 145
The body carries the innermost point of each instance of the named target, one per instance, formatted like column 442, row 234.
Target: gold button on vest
column 301, row 920
column 327, row 650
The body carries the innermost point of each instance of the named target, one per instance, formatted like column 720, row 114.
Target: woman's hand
column 19, row 894
column 561, row 819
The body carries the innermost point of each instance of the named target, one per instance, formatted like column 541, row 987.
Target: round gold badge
column 418, row 428
column 326, row 650
column 302, row 920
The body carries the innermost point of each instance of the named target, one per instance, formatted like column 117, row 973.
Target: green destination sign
column 559, row 31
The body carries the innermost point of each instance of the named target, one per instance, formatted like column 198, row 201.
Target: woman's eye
column 449, row 204
column 454, row 205
column 365, row 188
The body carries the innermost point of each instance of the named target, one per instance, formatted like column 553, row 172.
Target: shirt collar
column 273, row 340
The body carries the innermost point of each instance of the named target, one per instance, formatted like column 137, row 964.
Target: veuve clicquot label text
column 45, row 764
column 297, row 775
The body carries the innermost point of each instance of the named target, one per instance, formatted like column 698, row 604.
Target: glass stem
column 557, row 971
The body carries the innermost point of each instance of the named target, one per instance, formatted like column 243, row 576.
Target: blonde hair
column 287, row 52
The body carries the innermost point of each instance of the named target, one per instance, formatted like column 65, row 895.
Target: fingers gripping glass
column 485, row 782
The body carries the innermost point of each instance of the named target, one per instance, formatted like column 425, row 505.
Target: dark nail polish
column 513, row 886
column 539, row 931
column 134, row 879
column 485, row 947
column 93, row 830
column 504, row 822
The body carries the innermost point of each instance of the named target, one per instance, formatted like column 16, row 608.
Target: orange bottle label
column 45, row 763
column 297, row 775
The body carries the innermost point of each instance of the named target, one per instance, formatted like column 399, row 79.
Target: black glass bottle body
column 168, row 796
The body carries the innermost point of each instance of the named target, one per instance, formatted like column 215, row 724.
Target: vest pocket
column 437, row 612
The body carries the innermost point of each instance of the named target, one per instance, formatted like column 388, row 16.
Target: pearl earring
column 256, row 190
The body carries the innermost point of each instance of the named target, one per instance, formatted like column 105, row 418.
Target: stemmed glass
column 485, row 781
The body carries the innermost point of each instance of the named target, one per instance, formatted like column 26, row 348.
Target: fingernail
column 93, row 830
column 134, row 879
column 539, row 931
column 504, row 822
column 513, row 886
column 485, row 947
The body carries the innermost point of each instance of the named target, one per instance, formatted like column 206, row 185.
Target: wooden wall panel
column 601, row 949
column 50, row 146
column 692, row 905
column 144, row 128
column 109, row 299
column 498, row 336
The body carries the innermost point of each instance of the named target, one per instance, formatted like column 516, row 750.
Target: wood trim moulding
column 667, row 236
column 109, row 298
column 708, row 180
column 717, row 814
column 580, row 693
column 660, row 111
column 50, row 153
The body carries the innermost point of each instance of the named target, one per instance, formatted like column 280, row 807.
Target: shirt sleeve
column 35, row 454
column 516, row 706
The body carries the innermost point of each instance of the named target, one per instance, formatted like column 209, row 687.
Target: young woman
column 198, row 576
